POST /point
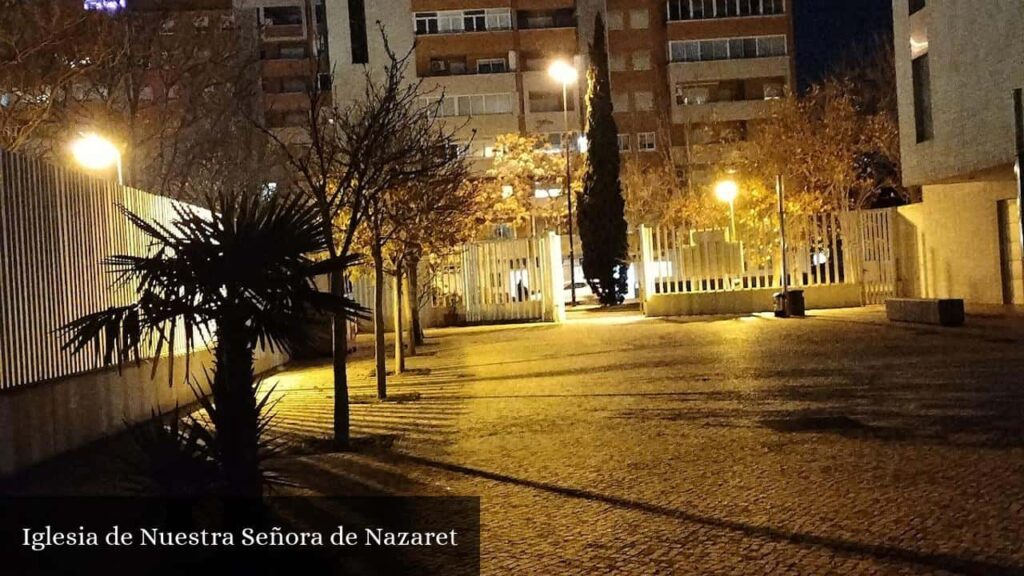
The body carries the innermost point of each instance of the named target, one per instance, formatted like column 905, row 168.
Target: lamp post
column 780, row 191
column 565, row 73
column 95, row 152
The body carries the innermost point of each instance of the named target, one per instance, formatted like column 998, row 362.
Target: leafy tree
column 235, row 279
column 602, row 221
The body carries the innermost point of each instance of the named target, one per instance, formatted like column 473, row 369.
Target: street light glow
column 563, row 72
column 727, row 190
column 95, row 152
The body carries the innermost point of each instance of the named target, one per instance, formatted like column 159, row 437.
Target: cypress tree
column 601, row 213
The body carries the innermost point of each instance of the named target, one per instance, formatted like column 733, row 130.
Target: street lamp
column 726, row 191
column 566, row 73
column 95, row 152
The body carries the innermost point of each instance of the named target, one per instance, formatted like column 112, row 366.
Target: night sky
column 826, row 29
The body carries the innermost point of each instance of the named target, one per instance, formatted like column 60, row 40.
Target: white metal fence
column 56, row 226
column 822, row 250
column 495, row 281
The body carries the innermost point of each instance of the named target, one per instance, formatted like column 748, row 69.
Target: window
column 491, row 66
column 474, row 21
column 917, row 5
column 692, row 95
column 644, row 101
column 727, row 49
column 620, row 102
column 167, row 27
column 642, row 60
column 454, row 21
column 457, row 66
column 774, row 90
column 471, row 105
column 922, row 99
column 227, row 21
column 201, row 23
column 357, row 31
column 292, row 52
column 623, row 142
column 281, row 16
column 638, row 19
column 646, row 142
column 549, row 101
column 615, row 20
column 616, row 62
column 707, row 9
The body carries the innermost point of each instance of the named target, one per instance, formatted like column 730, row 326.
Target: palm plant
column 237, row 278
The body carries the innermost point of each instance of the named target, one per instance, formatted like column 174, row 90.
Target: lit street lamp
column 565, row 73
column 726, row 191
column 95, row 152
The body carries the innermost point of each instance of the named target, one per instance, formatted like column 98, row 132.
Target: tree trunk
column 236, row 419
column 378, row 321
column 339, row 330
column 412, row 298
column 398, row 315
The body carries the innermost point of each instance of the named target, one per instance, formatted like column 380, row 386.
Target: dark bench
column 944, row 312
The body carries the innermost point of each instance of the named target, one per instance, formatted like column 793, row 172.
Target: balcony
column 285, row 101
column 717, row 70
column 720, row 111
column 286, row 67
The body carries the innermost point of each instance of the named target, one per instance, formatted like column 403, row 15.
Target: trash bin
column 795, row 303
column 780, row 304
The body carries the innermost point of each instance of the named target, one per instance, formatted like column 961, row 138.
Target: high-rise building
column 681, row 70
column 957, row 65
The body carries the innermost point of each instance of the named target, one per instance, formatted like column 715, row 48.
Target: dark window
column 282, row 16
column 357, row 31
column 922, row 99
column 916, row 5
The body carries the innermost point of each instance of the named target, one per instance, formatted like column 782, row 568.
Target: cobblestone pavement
column 614, row 444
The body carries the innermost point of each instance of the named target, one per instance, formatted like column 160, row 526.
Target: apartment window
column 707, row 9
column 292, row 52
column 615, row 20
column 474, row 20
column 620, row 102
column 471, row 105
column 227, row 22
column 357, row 31
column 617, row 63
column 167, row 26
column 491, row 66
column 642, row 60
column 917, row 5
column 774, row 90
column 692, row 95
column 638, row 19
column 549, row 101
column 922, row 99
column 644, row 101
column 454, row 21
column 727, row 48
column 201, row 23
column 646, row 142
column 281, row 16
column 623, row 142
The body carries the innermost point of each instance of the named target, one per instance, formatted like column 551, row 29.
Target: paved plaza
column 615, row 444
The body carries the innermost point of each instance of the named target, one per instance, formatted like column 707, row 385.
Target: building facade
column 679, row 69
column 957, row 65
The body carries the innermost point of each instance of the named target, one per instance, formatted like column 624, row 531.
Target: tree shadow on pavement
column 938, row 560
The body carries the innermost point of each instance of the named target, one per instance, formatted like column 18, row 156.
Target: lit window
column 774, row 91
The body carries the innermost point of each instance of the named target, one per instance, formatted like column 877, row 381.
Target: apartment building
column 488, row 58
column 957, row 65
column 682, row 70
column 690, row 77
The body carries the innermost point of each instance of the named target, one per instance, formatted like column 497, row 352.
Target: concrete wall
column 948, row 245
column 39, row 421
column 748, row 301
column 974, row 51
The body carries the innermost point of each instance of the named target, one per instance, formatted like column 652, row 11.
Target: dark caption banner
column 114, row 536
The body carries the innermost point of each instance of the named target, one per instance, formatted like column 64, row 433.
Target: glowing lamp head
column 727, row 190
column 95, row 152
column 562, row 71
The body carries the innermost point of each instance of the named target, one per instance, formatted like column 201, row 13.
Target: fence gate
column 873, row 254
